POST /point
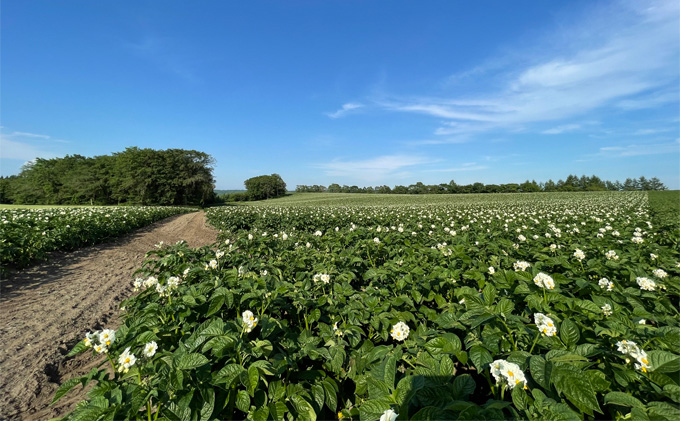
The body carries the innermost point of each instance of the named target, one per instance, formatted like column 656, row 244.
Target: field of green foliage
column 28, row 233
column 534, row 306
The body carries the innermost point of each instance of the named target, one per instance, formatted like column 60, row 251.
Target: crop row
column 27, row 235
column 547, row 310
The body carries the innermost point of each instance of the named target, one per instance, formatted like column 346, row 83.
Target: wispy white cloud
column 12, row 149
column 624, row 57
column 373, row 170
column 640, row 149
column 25, row 134
column 27, row 146
column 647, row 132
column 345, row 109
column 562, row 129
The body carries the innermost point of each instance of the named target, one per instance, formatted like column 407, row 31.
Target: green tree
column 265, row 187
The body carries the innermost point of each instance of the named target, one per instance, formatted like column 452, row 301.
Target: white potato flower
column 400, row 331
column 507, row 374
column 611, row 255
column 107, row 337
column 389, row 415
column 578, row 254
column 659, row 273
column 150, row 349
column 492, row 270
column 645, row 283
column 126, row 360
column 606, row 283
column 543, row 280
column 545, row 324
column 607, row 310
column 249, row 320
column 520, row 266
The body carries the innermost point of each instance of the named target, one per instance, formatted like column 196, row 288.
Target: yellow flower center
column 510, row 373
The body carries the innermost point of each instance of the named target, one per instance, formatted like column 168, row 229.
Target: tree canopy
column 265, row 187
column 134, row 176
column 571, row 183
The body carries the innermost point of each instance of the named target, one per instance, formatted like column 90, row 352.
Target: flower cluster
column 630, row 348
column 126, row 360
column 611, row 255
column 249, row 320
column 337, row 331
column 606, row 283
column 606, row 310
column 520, row 266
column 400, row 331
column 211, row 265
column 545, row 324
column 645, row 283
column 659, row 273
column 544, row 281
column 100, row 341
column 508, row 374
column 323, row 277
column 578, row 254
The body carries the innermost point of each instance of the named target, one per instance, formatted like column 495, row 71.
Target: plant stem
column 535, row 341
column 512, row 338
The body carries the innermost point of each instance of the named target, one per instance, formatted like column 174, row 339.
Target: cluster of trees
column 262, row 187
column 572, row 183
column 135, row 176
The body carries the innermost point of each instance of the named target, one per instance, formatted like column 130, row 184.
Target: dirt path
column 46, row 309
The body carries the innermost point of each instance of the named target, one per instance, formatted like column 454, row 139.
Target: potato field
column 560, row 306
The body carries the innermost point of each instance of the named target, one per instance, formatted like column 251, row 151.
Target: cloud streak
column 372, row 170
column 623, row 58
column 346, row 108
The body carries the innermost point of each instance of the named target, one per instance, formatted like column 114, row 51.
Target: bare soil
column 46, row 309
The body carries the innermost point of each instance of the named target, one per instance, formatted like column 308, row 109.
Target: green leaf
column 277, row 411
column 623, row 399
column 79, row 348
column 520, row 398
column 215, row 305
column 261, row 414
column 463, row 386
column 208, row 395
column 64, row 388
column 318, row 395
column 407, row 388
column 480, row 357
column 576, row 387
column 569, row 333
column 673, row 392
column 331, row 389
column 373, row 409
column 190, row 361
column 663, row 411
column 243, row 401
column 253, row 378
column 663, row 361
column 304, row 409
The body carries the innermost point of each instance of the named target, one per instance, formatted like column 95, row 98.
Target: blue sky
column 350, row 92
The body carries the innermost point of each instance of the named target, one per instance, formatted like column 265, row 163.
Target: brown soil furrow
column 47, row 309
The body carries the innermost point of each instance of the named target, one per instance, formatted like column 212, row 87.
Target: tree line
column 134, row 176
column 262, row 187
column 572, row 183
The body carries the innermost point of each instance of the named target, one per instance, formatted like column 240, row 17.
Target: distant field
column 665, row 206
column 45, row 206
column 350, row 199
